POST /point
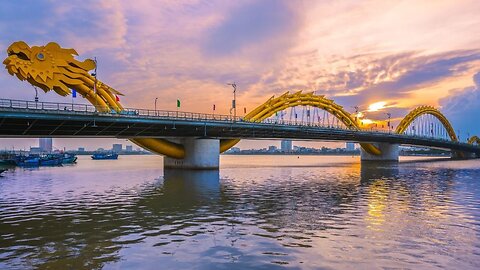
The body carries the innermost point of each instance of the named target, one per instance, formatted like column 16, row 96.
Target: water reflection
column 329, row 216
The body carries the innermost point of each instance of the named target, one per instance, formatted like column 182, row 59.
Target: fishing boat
column 51, row 160
column 7, row 162
column 69, row 158
column 7, row 159
column 27, row 161
column 103, row 155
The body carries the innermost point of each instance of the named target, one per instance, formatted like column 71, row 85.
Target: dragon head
column 48, row 67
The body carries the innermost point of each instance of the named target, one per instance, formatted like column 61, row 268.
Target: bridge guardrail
column 86, row 108
column 164, row 114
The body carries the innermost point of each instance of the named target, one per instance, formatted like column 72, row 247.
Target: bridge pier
column 463, row 155
column 390, row 152
column 200, row 154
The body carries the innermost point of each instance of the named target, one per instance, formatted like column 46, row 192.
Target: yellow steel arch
column 474, row 140
column 402, row 127
column 287, row 100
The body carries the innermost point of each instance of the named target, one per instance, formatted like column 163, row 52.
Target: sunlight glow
column 377, row 106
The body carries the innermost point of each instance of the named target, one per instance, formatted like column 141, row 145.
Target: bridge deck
column 29, row 119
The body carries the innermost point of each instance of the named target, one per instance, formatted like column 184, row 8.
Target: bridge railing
column 53, row 107
column 126, row 112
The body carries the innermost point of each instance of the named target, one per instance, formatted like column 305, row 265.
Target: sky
column 400, row 54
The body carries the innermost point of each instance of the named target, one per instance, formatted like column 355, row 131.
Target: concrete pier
column 463, row 155
column 200, row 154
column 390, row 152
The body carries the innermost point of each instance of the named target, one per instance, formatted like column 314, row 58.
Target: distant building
column 81, row 149
column 117, row 147
column 35, row 150
column 286, row 146
column 350, row 146
column 45, row 144
column 129, row 148
column 272, row 149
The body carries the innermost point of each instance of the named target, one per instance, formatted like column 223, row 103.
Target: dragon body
column 53, row 68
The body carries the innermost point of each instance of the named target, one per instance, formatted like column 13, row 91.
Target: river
column 257, row 212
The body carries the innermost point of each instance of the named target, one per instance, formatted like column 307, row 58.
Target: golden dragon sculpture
column 53, row 68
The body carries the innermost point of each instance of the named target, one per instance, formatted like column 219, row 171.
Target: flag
column 214, row 107
column 178, row 103
column 117, row 98
column 74, row 93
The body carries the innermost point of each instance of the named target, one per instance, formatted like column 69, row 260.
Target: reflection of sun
column 377, row 106
column 377, row 202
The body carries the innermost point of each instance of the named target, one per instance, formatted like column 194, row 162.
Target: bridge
column 194, row 140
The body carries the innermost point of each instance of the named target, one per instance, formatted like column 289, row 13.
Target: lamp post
column 156, row 105
column 356, row 113
column 388, row 123
column 94, row 74
column 95, row 89
column 36, row 97
column 234, row 101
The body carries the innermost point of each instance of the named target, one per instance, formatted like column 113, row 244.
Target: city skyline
column 381, row 56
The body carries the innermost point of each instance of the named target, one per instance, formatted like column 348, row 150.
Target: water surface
column 260, row 212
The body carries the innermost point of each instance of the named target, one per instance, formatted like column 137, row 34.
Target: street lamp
column 388, row 123
column 356, row 112
column 156, row 105
column 94, row 74
column 234, row 105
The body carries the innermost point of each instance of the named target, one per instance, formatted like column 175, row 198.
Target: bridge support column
column 390, row 152
column 463, row 155
column 200, row 154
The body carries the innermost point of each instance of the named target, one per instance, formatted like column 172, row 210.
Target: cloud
column 408, row 74
column 461, row 108
column 93, row 25
column 267, row 26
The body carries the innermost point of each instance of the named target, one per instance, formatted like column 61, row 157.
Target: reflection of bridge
column 195, row 140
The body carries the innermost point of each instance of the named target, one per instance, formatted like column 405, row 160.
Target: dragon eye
column 41, row 56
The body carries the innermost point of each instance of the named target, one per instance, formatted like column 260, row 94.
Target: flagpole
column 178, row 106
column 95, row 83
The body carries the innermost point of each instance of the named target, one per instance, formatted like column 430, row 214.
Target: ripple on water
column 333, row 214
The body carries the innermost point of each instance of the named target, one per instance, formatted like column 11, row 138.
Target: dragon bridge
column 474, row 140
column 54, row 68
column 423, row 110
